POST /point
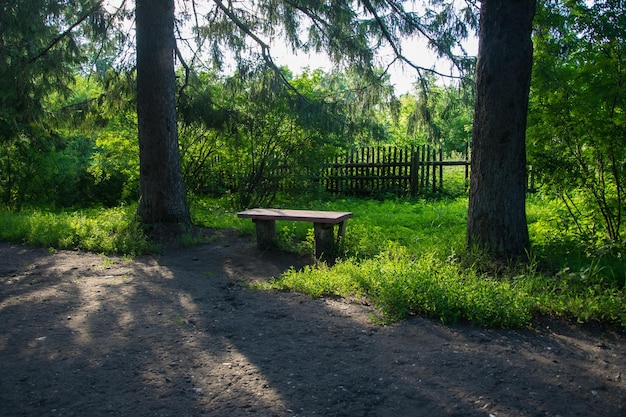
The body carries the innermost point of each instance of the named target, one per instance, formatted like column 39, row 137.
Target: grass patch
column 218, row 213
column 114, row 230
column 401, row 285
column 401, row 256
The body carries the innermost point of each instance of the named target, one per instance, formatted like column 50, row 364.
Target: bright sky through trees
column 401, row 76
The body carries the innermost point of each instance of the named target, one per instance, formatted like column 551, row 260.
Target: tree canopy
column 43, row 45
column 359, row 34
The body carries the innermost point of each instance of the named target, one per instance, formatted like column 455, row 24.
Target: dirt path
column 176, row 335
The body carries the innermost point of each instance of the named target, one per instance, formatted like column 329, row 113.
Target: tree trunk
column 163, row 197
column 497, row 199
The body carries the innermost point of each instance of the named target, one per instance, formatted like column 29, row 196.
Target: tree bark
column 162, row 190
column 497, row 198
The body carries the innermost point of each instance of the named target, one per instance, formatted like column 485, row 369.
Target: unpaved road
column 177, row 335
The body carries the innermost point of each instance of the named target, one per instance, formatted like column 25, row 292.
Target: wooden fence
column 367, row 171
column 392, row 170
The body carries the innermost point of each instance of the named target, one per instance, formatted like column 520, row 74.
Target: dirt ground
column 177, row 335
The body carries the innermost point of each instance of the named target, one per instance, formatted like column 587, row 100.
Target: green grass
column 218, row 213
column 400, row 255
column 403, row 257
column 113, row 230
column 401, row 285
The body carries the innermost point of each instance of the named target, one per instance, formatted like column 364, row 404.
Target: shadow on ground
column 177, row 335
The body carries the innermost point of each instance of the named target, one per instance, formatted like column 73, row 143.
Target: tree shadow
column 176, row 335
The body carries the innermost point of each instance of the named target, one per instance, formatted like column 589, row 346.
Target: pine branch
column 265, row 48
column 66, row 33
column 415, row 25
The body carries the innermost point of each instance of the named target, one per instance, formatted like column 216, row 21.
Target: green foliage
column 46, row 107
column 114, row 230
column 578, row 113
column 203, row 124
column 47, row 169
column 88, row 156
column 345, row 105
column 352, row 34
column 265, row 137
column 584, row 295
column 252, row 137
column 438, row 115
column 39, row 49
column 114, row 165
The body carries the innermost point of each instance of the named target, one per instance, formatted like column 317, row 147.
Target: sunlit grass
column 400, row 285
column 218, row 213
column 402, row 256
column 113, row 230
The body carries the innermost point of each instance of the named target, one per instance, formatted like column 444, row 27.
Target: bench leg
column 341, row 232
column 265, row 234
column 324, row 241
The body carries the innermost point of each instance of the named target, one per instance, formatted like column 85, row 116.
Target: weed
column 107, row 262
column 178, row 320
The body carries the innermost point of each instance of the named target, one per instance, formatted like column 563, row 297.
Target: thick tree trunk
column 163, row 197
column 497, row 199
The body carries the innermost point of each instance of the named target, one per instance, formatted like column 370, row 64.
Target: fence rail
column 362, row 172
column 400, row 171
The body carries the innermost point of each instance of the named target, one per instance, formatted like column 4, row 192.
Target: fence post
column 414, row 175
column 440, row 169
column 433, row 167
column 426, row 168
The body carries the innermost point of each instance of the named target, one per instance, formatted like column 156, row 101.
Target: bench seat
column 323, row 227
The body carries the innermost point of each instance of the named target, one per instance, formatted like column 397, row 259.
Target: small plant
column 107, row 263
column 178, row 319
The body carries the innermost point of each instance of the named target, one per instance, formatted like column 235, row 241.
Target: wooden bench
column 323, row 226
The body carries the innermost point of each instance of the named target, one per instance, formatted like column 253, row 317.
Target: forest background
column 69, row 160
